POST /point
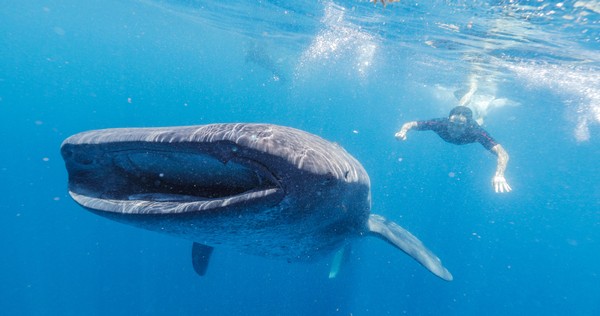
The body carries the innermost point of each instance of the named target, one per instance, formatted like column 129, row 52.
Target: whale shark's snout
column 262, row 189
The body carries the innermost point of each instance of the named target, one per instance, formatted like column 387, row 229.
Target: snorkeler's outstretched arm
column 401, row 134
column 498, row 181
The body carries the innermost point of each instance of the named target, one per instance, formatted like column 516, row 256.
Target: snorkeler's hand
column 500, row 184
column 401, row 135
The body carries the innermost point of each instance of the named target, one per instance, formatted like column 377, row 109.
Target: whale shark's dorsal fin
column 407, row 242
column 200, row 257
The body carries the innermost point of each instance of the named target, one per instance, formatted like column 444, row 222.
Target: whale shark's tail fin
column 407, row 242
column 200, row 257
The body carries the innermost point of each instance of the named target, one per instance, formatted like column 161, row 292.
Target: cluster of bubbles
column 579, row 87
column 340, row 40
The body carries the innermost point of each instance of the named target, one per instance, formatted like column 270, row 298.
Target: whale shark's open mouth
column 165, row 181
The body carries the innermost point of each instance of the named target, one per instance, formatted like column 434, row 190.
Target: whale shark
column 261, row 189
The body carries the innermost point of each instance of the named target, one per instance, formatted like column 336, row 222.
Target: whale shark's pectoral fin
column 407, row 242
column 340, row 257
column 200, row 257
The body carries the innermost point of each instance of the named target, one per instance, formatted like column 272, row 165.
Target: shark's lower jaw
column 160, row 176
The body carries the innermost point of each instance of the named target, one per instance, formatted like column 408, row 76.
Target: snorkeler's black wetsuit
column 473, row 132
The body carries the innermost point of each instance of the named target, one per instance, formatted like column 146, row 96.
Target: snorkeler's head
column 461, row 110
column 459, row 119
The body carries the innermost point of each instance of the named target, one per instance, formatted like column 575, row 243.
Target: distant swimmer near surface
column 260, row 189
column 460, row 128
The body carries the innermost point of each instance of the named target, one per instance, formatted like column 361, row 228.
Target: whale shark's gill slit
column 170, row 176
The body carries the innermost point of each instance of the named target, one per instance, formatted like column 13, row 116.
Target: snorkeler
column 460, row 128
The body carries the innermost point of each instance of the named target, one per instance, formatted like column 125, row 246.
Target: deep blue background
column 69, row 66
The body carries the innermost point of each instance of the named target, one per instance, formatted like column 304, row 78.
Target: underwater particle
column 38, row 122
column 56, row 198
column 451, row 174
column 59, row 31
column 129, row 100
column 400, row 159
column 45, row 159
column 355, row 131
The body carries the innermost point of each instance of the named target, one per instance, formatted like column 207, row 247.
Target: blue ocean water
column 351, row 72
